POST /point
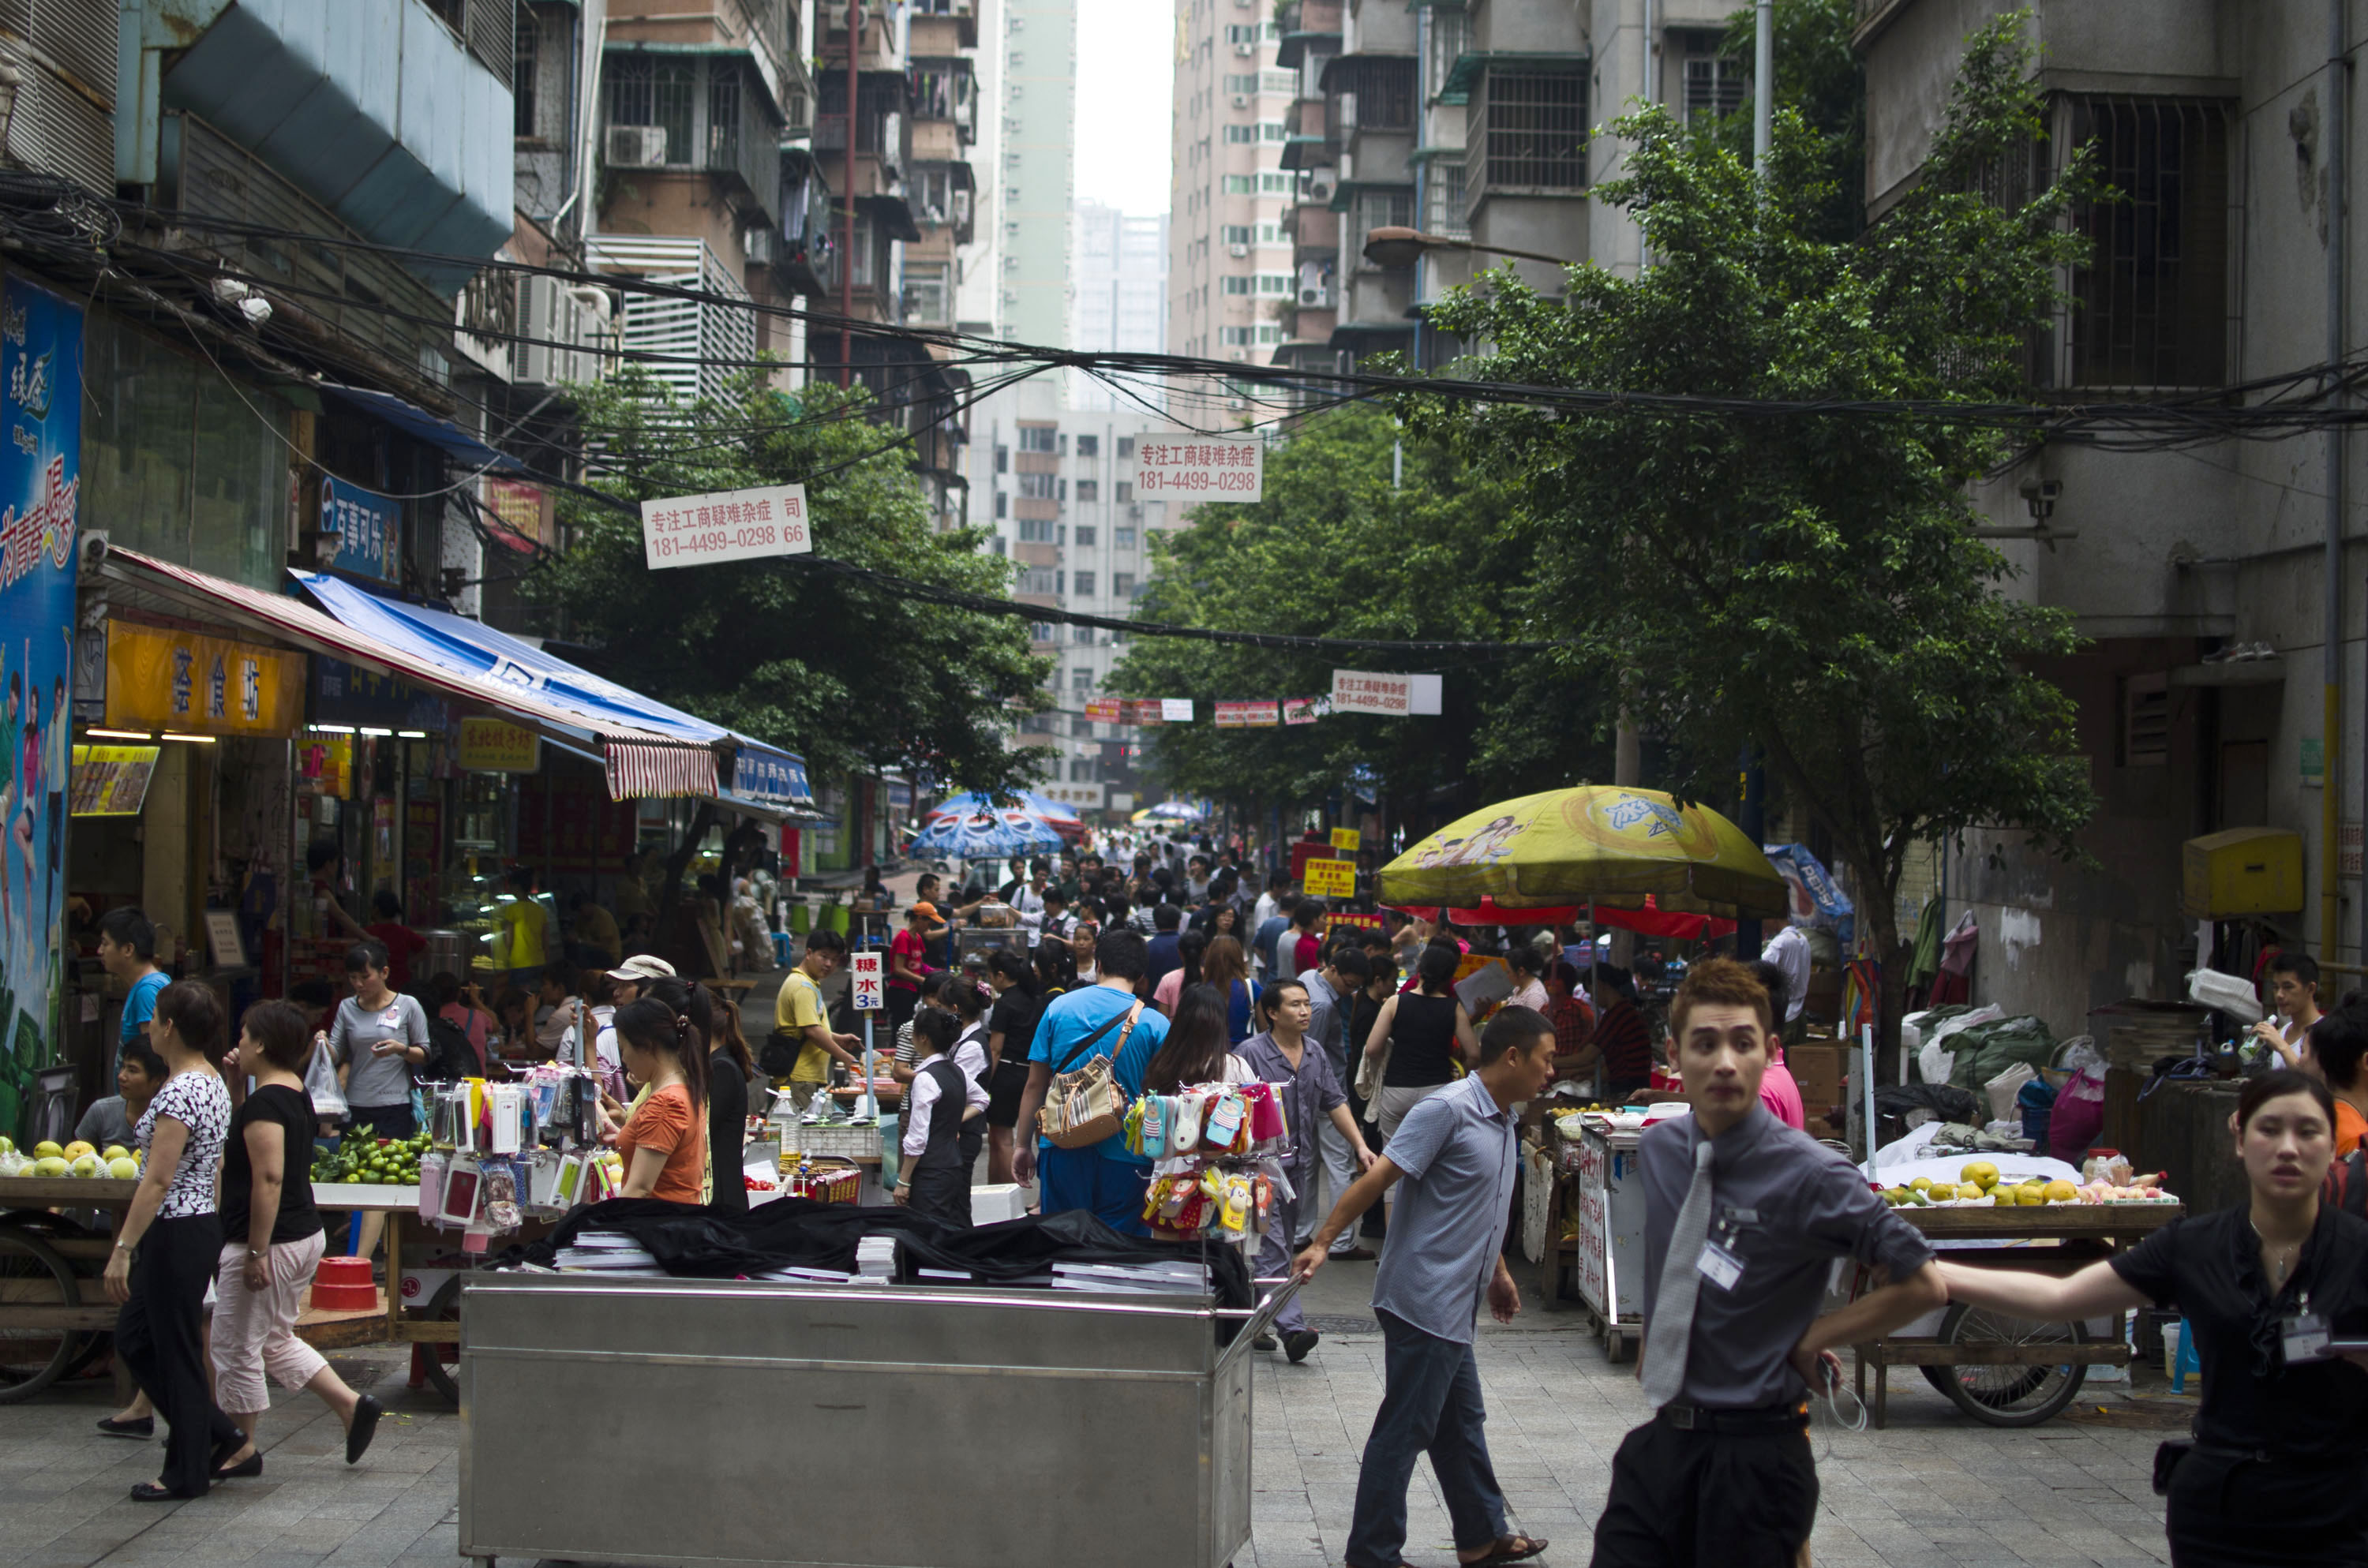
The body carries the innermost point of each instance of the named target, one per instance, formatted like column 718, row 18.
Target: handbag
column 778, row 1057
column 1085, row 1107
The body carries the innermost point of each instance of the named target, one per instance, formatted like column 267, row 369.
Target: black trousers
column 940, row 1188
column 1683, row 1499
column 157, row 1333
column 2224, row 1510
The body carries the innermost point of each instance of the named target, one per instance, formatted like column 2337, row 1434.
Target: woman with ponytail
column 1010, row 1029
column 664, row 1145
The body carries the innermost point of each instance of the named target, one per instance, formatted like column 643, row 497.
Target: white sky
column 1126, row 71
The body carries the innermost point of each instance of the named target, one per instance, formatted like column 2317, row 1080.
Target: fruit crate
column 834, row 1139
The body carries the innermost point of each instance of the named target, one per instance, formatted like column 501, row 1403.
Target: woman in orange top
column 664, row 1145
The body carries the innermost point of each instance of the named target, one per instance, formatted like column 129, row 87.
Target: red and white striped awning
column 640, row 772
column 654, row 764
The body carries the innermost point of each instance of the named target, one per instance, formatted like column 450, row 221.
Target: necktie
column 1673, row 1314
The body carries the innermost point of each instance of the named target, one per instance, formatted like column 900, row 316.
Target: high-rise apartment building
column 1230, row 269
column 1036, row 175
column 1118, row 293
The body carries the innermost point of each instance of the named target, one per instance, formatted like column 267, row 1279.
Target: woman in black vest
column 934, row 1180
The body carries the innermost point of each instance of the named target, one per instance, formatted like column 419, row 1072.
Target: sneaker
column 1263, row 1342
column 1296, row 1345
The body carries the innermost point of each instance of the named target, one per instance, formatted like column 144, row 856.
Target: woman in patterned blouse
column 171, row 1241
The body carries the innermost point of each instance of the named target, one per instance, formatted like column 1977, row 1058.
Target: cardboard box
column 1820, row 1070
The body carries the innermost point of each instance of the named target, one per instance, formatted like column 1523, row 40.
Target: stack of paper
column 1184, row 1276
column 875, row 1257
column 608, row 1252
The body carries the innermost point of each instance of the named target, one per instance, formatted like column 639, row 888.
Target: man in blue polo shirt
column 1445, row 1257
column 127, row 950
column 1102, row 1019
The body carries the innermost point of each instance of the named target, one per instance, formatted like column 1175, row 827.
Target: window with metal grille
column 1086, row 534
column 1383, row 85
column 1126, row 446
column 1123, row 539
column 1121, row 585
column 1084, row 584
column 1082, row 634
column 1090, row 445
column 1527, row 130
column 2151, row 307
column 1036, row 487
column 1036, row 531
column 1002, row 506
column 1241, row 135
column 1125, row 495
column 1378, row 209
column 1038, row 580
column 1240, row 233
column 1451, row 34
column 1715, row 83
column 1038, row 439
column 646, row 91
column 1443, row 199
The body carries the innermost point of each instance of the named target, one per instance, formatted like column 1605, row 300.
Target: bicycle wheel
column 32, row 1274
column 2001, row 1395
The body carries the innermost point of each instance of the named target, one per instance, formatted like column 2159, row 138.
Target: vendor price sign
column 731, row 525
column 866, row 982
column 1193, row 468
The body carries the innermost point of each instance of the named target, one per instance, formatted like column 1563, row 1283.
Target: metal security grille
column 2151, row 306
column 1443, row 199
column 1713, row 85
column 646, row 91
column 1527, row 130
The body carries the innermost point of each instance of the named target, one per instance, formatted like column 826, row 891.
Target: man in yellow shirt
column 528, row 925
column 798, row 1010
column 595, row 930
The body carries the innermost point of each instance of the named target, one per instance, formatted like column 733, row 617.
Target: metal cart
column 1607, row 1255
column 791, row 1412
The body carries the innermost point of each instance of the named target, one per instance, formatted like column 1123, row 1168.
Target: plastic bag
column 2002, row 1090
column 1935, row 1061
column 2224, row 992
column 321, row 1083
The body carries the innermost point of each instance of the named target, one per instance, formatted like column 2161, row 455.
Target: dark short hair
column 822, row 939
column 1122, row 953
column 1526, row 958
column 1565, row 971
column 1779, row 989
column 283, row 1031
column 1351, row 962
column 938, row 1030
column 195, row 1013
column 2338, row 1041
column 386, row 903
column 521, row 876
column 2259, row 1092
column 1438, row 964
column 129, row 927
column 322, row 852
column 2302, row 966
column 1166, row 916
column 1722, row 982
column 1286, row 903
column 138, row 1052
column 366, row 955
column 1513, row 1028
column 443, row 989
column 1309, row 911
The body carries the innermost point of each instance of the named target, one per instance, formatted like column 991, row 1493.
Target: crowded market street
column 1932, row 1492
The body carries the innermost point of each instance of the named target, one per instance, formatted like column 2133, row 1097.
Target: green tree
column 851, row 674
column 1337, row 549
column 1805, row 583
column 1819, row 77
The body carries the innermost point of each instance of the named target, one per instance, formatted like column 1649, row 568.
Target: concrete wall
column 1550, row 226
column 1375, row 27
column 1528, row 26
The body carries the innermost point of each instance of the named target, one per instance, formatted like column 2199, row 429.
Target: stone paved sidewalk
column 1932, row 1492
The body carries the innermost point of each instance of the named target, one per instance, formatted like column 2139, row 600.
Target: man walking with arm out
column 1455, row 1150
column 1743, row 1220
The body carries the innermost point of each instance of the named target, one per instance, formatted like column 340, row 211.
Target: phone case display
column 503, row 1152
column 1213, row 1147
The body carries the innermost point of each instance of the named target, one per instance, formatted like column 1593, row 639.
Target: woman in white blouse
column 171, row 1242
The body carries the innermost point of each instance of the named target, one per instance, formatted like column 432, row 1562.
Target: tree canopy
column 849, row 672
column 1337, row 549
column 1806, row 585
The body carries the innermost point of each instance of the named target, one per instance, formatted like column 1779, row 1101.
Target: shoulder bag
column 1085, row 1107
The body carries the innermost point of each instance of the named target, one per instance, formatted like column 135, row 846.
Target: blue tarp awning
column 759, row 776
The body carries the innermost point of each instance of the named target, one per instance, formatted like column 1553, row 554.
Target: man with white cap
column 626, row 984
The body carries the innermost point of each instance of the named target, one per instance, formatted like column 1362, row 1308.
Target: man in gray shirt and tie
column 1744, row 1218
column 1445, row 1255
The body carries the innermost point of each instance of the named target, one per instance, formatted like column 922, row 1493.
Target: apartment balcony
column 940, row 27
column 878, row 51
column 807, row 262
column 944, row 100
column 1306, row 24
column 382, row 111
column 692, row 346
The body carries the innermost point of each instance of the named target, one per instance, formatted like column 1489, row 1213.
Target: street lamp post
column 1395, row 246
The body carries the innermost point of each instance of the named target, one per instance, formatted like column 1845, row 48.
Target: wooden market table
column 2082, row 1233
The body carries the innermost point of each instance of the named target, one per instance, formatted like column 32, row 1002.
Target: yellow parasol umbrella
column 1601, row 843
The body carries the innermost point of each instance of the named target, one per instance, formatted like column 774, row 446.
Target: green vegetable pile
column 371, row 1162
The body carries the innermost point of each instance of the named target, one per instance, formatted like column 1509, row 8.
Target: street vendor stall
column 1605, row 1247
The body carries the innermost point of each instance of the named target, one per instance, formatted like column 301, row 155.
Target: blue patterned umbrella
column 990, row 834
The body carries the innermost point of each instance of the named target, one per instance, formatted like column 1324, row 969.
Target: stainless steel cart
column 1609, row 1245
column 672, row 1421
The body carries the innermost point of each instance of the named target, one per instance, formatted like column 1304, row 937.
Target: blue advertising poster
column 365, row 526
column 41, row 381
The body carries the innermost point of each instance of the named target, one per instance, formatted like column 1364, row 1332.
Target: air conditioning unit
column 758, row 244
column 1311, row 296
column 1238, row 402
column 1239, row 250
column 1320, row 189
column 637, row 146
column 1241, row 100
column 1245, row 50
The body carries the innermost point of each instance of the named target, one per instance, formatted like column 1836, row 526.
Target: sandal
column 1511, row 1549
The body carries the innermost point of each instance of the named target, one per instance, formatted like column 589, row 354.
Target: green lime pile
column 365, row 1160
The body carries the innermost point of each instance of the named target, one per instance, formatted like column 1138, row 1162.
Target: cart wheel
column 1615, row 1348
column 2008, row 1396
column 444, row 1307
column 32, row 1273
column 47, row 1226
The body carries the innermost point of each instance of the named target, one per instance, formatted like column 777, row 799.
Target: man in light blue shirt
column 1445, row 1255
column 1101, row 1019
column 127, row 950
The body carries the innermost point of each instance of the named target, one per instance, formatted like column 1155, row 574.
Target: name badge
column 1743, row 1216
column 2304, row 1336
column 1719, row 1267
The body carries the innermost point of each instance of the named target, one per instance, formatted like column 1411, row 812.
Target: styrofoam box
column 990, row 1204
